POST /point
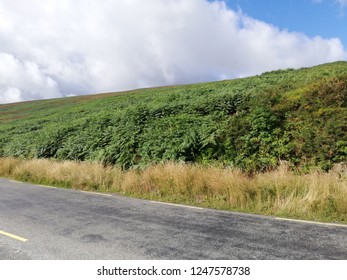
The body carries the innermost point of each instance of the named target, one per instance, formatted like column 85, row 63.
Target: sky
column 326, row 18
column 51, row 48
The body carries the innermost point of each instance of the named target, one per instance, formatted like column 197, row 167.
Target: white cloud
column 23, row 80
column 343, row 3
column 58, row 48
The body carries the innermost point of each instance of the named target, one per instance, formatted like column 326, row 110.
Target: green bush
column 299, row 116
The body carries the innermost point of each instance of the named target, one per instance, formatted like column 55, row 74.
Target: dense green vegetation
column 299, row 116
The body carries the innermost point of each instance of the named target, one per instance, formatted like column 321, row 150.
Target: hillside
column 299, row 116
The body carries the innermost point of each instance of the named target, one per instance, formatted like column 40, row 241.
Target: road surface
column 44, row 223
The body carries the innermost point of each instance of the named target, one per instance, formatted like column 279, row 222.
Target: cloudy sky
column 56, row 48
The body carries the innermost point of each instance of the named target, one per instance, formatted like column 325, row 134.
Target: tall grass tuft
column 318, row 195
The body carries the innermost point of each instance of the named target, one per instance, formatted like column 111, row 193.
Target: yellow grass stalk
column 317, row 195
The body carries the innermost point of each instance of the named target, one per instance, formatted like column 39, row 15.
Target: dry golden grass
column 79, row 175
column 317, row 196
column 7, row 165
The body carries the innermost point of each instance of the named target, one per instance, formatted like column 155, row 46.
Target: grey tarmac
column 64, row 224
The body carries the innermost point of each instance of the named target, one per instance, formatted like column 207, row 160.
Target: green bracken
column 297, row 116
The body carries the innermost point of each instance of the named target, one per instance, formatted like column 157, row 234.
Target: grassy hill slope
column 299, row 116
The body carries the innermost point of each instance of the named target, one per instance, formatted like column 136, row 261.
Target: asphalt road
column 50, row 223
